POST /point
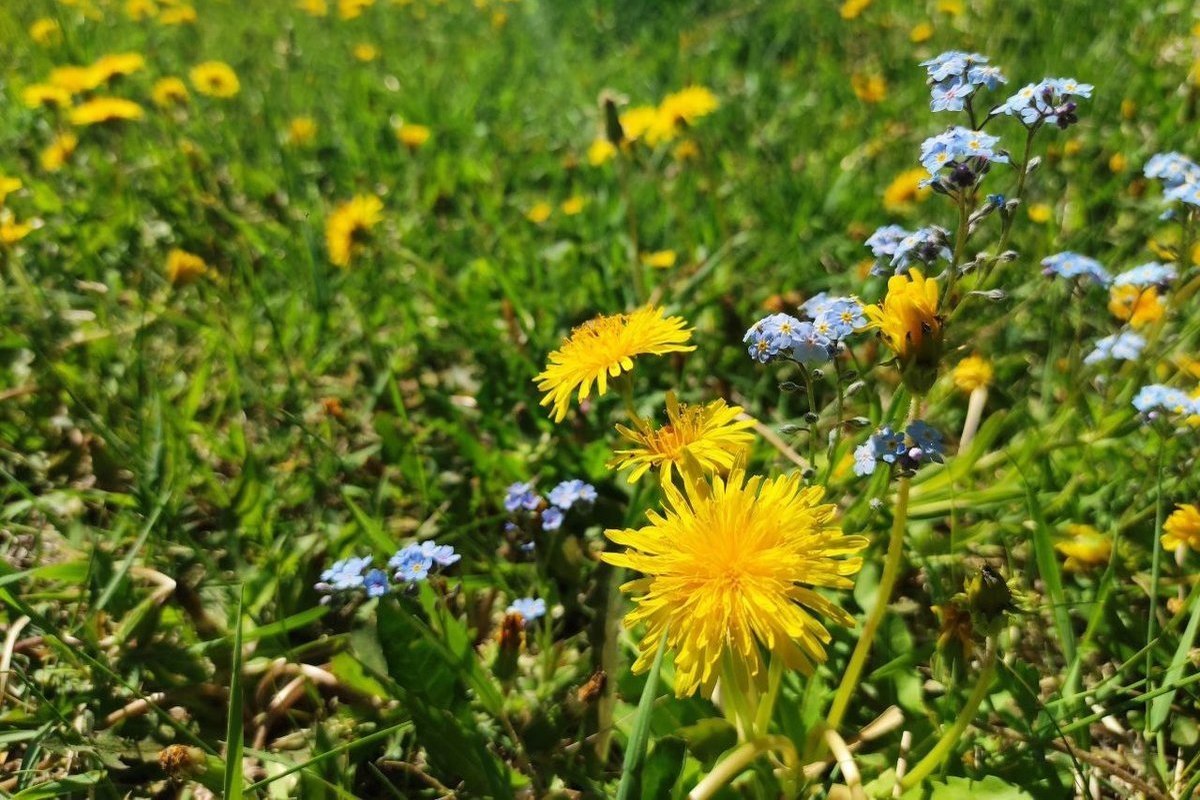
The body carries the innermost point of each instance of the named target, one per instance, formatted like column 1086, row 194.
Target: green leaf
column 989, row 788
column 662, row 768
column 1160, row 707
column 63, row 787
column 234, row 727
column 635, row 749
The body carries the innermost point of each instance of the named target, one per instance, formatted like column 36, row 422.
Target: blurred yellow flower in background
column 954, row 8
column 314, row 8
column 105, row 109
column 686, row 150
column 366, row 52
column 45, row 32
column 8, row 186
column 921, row 32
column 182, row 15
column 12, row 231
column 44, row 94
column 1117, row 163
column 412, row 135
column 56, row 154
column 301, row 131
column 353, row 9
column 168, row 92
column 74, row 79
column 709, row 437
column 349, row 223
column 111, row 66
column 869, row 88
column 1085, row 548
column 1040, row 213
column 972, row 373
column 138, row 10
column 1135, row 305
column 851, row 9
column 572, row 205
column 905, row 189
column 539, row 212
column 1182, row 528
column 603, row 348
column 660, row 259
column 215, row 79
column 600, row 151
column 184, row 267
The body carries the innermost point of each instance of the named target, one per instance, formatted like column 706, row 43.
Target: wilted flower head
column 729, row 570
column 605, row 347
column 1050, row 101
column 1123, row 346
column 1073, row 265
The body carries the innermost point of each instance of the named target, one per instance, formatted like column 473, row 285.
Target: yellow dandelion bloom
column 1137, row 306
column 600, row 151
column 907, row 319
column 301, row 131
column 688, row 105
column 112, row 66
column 74, row 79
column 182, row 15
column 45, row 32
column 1128, row 108
column 366, row 52
column 8, row 186
column 105, row 109
column 413, row 136
column 869, row 88
column 709, row 437
column 12, row 231
column 573, row 205
column 972, row 373
column 660, row 259
column 1182, row 528
column 184, row 267
column 1040, row 213
column 168, row 92
column 729, row 570
column 905, row 189
column 348, row 224
column 1117, row 162
column 45, row 94
column 539, row 212
column 215, row 79
column 851, row 9
column 637, row 121
column 921, row 32
column 58, row 152
column 1086, row 547
column 605, row 347
column 138, row 10
column 954, row 8
column 314, row 8
column 353, row 9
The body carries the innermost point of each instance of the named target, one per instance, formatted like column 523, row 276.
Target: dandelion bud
column 612, row 120
column 510, row 641
column 989, row 596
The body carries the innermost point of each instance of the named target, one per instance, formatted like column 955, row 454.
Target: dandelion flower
column 1135, row 305
column 215, row 79
column 8, row 186
column 413, row 136
column 972, row 373
column 314, row 8
column 573, row 205
column 180, row 15
column 44, row 94
column 605, row 347
column 366, row 52
column 75, row 80
column 168, row 92
column 111, row 66
column 852, row 8
column 58, row 152
column 138, row 10
column 105, row 109
column 600, row 151
column 301, row 131
column 869, row 88
column 1040, row 213
column 709, row 436
column 1086, row 547
column 907, row 319
column 348, row 223
column 660, row 259
column 12, row 231
column 921, row 32
column 729, row 570
column 539, row 212
column 906, row 189
column 637, row 121
column 1182, row 528
column 688, row 105
column 45, row 32
column 184, row 267
column 353, row 9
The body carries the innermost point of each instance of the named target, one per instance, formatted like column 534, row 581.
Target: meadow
column 529, row 399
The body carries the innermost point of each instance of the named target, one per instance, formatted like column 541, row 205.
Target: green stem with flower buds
column 937, row 756
column 887, row 582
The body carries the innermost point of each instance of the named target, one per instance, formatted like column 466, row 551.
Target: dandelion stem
column 738, row 760
column 887, row 582
column 935, row 757
column 1155, row 563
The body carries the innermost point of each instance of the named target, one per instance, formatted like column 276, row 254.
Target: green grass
column 179, row 464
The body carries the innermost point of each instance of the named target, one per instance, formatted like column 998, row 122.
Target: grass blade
column 234, row 730
column 635, row 750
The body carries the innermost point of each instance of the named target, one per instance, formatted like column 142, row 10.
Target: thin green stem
column 1155, row 565
column 738, row 760
column 937, row 756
